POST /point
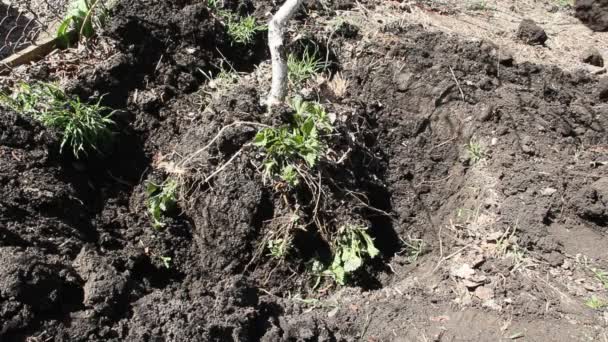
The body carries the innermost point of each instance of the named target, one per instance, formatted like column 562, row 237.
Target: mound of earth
column 483, row 183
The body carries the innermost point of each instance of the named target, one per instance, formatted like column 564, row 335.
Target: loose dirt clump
column 531, row 33
column 593, row 57
column 593, row 13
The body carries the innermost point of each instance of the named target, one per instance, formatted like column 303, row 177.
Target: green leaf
column 352, row 261
column 151, row 188
column 308, row 126
column 63, row 38
column 260, row 138
column 372, row 251
column 311, row 159
column 290, row 175
column 166, row 261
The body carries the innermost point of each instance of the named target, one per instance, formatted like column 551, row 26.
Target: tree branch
column 276, row 31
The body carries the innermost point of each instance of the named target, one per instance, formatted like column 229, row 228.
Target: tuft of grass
column 290, row 148
column 350, row 248
column 85, row 16
column 242, row 30
column 595, row 303
column 83, row 126
column 300, row 69
column 162, row 200
column 602, row 276
column 475, row 150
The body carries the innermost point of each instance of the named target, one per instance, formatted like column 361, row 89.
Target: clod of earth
column 593, row 56
column 594, row 13
column 530, row 33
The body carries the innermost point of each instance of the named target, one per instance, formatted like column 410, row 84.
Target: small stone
column 528, row 149
column 486, row 114
column 484, row 293
column 495, row 236
column 403, row 81
column 491, row 304
column 548, row 191
column 593, row 56
column 464, row 271
column 530, row 33
column 307, row 94
column 554, row 259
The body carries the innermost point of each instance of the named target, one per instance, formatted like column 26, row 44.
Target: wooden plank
column 29, row 54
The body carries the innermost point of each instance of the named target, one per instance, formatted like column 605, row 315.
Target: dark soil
column 80, row 260
column 594, row 13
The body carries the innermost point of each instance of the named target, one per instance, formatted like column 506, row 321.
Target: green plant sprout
column 602, row 276
column 475, row 150
column 288, row 148
column 166, row 261
column 162, row 200
column 278, row 248
column 83, row 16
column 351, row 246
column 595, row 303
column 301, row 69
column 242, row 30
column 413, row 249
column 83, row 126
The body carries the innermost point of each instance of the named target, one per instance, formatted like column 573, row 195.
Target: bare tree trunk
column 276, row 30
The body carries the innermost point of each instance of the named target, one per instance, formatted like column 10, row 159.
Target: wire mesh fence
column 24, row 22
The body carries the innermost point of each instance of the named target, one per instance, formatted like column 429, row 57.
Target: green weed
column 602, row 276
column 287, row 149
column 301, row 69
column 475, row 151
column 278, row 248
column 213, row 4
column 166, row 261
column 84, row 16
column 413, row 249
column 242, row 30
column 162, row 200
column 595, row 303
column 352, row 245
column 83, row 126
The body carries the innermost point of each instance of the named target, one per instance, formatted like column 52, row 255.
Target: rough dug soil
column 593, row 13
column 493, row 172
